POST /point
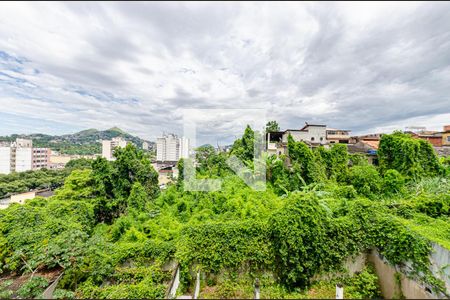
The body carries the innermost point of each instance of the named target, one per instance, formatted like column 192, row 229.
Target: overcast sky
column 370, row 67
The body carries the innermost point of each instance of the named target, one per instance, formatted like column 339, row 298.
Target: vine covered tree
column 411, row 157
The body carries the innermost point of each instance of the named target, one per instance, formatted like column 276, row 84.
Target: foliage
column 358, row 159
column 393, row 182
column 414, row 158
column 210, row 163
column 63, row 294
column 31, row 180
column 113, row 232
column 138, row 197
column 216, row 246
column 33, row 288
column 299, row 232
column 244, row 147
column 272, row 126
column 5, row 292
column 365, row 179
column 304, row 162
column 364, row 285
column 79, row 163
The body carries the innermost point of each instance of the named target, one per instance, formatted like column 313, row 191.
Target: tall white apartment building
column 5, row 158
column 20, row 156
column 171, row 148
column 109, row 145
column 23, row 159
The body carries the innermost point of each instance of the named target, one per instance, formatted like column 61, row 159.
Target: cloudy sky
column 65, row 67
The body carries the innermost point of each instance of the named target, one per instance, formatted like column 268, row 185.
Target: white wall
column 315, row 132
column 160, row 149
column 5, row 160
column 172, row 148
column 106, row 150
column 24, row 158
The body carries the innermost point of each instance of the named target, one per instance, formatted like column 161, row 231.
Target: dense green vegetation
column 86, row 142
column 114, row 233
column 15, row 183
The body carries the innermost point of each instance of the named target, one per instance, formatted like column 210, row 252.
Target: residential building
column 5, row 158
column 145, row 146
column 366, row 147
column 434, row 137
column 108, row 147
column 367, row 137
column 446, row 136
column 275, row 143
column 20, row 156
column 22, row 197
column 338, row 136
column 23, row 157
column 41, row 158
column 312, row 134
column 170, row 148
column 59, row 161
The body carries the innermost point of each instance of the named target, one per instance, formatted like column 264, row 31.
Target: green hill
column 86, row 142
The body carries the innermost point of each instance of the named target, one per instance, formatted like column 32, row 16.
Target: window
column 448, row 138
column 312, row 138
column 321, row 138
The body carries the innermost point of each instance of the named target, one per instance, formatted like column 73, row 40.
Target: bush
column 33, row 288
column 365, row 179
column 299, row 234
column 393, row 182
column 63, row 294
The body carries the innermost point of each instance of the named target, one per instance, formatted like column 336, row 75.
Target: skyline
column 373, row 67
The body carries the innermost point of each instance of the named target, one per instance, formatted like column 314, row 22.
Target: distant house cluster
column 316, row 135
column 436, row 138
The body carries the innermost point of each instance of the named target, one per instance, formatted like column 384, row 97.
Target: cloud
column 362, row 66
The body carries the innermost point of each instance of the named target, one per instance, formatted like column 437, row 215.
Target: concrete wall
column 440, row 264
column 175, row 283
column 394, row 284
